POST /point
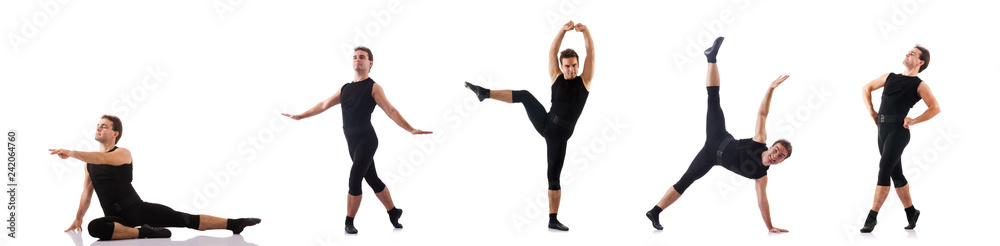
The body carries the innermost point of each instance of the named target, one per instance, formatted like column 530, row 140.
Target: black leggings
column 556, row 137
column 141, row 213
column 715, row 133
column 362, row 146
column 892, row 139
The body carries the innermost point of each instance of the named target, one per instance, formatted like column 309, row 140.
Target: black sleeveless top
column 743, row 158
column 357, row 103
column 568, row 98
column 113, row 185
column 899, row 94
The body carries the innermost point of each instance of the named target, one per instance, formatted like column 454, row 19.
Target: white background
column 200, row 85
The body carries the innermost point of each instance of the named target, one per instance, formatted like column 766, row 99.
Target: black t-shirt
column 357, row 102
column 899, row 94
column 568, row 98
column 743, row 158
column 113, row 185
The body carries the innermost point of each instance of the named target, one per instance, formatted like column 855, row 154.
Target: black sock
column 552, row 218
column 871, row 216
column 656, row 210
column 237, row 225
column 712, row 52
column 145, row 232
column 909, row 211
column 349, row 221
column 394, row 214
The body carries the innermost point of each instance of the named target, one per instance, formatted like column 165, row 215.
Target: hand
column 777, row 230
column 874, row 117
column 907, row 122
column 418, row 131
column 580, row 27
column 778, row 81
column 294, row 117
column 568, row 26
column 76, row 226
column 61, row 152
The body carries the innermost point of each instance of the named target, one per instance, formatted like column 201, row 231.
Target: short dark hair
column 568, row 53
column 367, row 50
column 116, row 125
column 925, row 56
column 788, row 146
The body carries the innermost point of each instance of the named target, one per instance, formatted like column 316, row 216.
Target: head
column 569, row 61
column 110, row 127
column 778, row 152
column 918, row 56
column 362, row 59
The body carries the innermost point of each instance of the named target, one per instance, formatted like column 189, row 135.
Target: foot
column 713, row 51
column 238, row 225
column 394, row 215
column 350, row 229
column 655, row 219
column 146, row 231
column 869, row 226
column 913, row 221
column 481, row 93
column 558, row 226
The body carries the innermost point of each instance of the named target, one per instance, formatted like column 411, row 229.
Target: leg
column 114, row 228
column 556, row 152
column 890, row 165
column 124, row 232
column 904, row 195
column 713, row 76
column 536, row 112
column 698, row 168
column 502, row 95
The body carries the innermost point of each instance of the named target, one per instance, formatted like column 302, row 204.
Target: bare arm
column 760, row 132
column 391, row 111
column 866, row 94
column 554, row 51
column 765, row 209
column 588, row 62
column 932, row 106
column 88, row 192
column 319, row 108
column 118, row 157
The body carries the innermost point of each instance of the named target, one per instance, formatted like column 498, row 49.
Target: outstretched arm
column 588, row 62
column 866, row 94
column 319, row 108
column 554, row 51
column 760, row 133
column 119, row 157
column 932, row 106
column 391, row 111
column 765, row 210
column 88, row 192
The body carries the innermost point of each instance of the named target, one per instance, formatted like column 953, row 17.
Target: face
column 104, row 131
column 360, row 61
column 775, row 155
column 569, row 67
column 912, row 59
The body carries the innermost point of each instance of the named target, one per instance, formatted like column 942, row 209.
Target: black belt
column 563, row 122
column 722, row 148
column 358, row 129
column 124, row 202
column 890, row 118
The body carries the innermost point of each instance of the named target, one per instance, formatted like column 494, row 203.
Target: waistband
column 722, row 148
column 890, row 118
column 563, row 122
column 358, row 129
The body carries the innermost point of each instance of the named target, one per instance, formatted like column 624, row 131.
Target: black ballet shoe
column 237, row 225
column 350, row 229
column 481, row 93
column 713, row 51
column 146, row 231
column 558, row 226
column 869, row 225
column 913, row 220
column 394, row 215
column 655, row 219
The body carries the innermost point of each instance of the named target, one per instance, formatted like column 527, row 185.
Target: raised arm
column 319, row 108
column 765, row 209
column 866, row 94
column 554, row 51
column 588, row 62
column 760, row 132
column 118, row 157
column 391, row 111
column 932, row 106
column 88, row 192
